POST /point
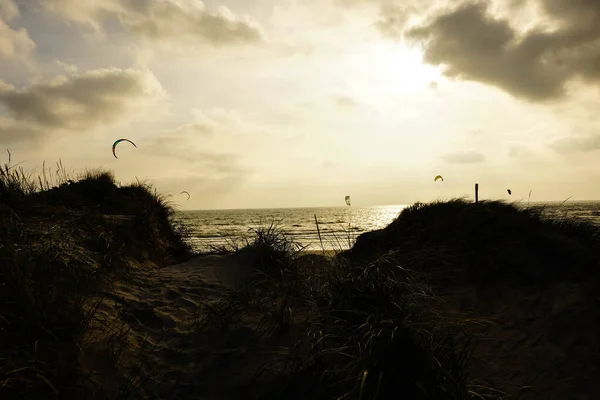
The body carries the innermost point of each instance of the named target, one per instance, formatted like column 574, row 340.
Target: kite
column 347, row 200
column 114, row 146
column 438, row 177
column 186, row 193
column 509, row 191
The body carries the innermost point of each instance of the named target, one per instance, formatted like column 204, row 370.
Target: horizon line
column 370, row 206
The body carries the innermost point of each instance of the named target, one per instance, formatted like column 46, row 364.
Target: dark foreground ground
column 100, row 298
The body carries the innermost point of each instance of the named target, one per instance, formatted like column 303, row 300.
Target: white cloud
column 14, row 43
column 8, row 10
column 225, row 145
column 69, row 68
column 393, row 18
column 217, row 118
column 208, row 157
column 222, row 131
column 163, row 20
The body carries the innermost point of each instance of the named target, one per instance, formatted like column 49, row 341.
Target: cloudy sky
column 286, row 103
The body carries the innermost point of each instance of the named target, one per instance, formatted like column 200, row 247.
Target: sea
column 338, row 227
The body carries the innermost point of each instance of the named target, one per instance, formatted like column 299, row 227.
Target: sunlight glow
column 386, row 68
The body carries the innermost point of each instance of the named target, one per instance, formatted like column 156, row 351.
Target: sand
column 534, row 340
column 157, row 310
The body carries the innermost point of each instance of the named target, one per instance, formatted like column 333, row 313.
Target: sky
column 297, row 103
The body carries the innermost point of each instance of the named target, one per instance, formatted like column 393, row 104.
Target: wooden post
column 476, row 193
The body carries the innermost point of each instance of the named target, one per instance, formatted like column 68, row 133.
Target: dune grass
column 487, row 241
column 506, row 264
column 373, row 333
column 363, row 332
column 41, row 313
column 382, row 320
column 60, row 238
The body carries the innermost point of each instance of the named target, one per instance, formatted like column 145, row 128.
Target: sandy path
column 158, row 308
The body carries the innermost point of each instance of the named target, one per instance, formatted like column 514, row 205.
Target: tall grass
column 364, row 332
column 337, row 242
column 41, row 309
column 57, row 244
column 374, row 332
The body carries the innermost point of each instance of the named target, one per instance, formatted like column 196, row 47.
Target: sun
column 401, row 68
column 379, row 69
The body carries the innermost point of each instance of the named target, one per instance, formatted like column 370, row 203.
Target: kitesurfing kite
column 347, row 200
column 186, row 193
column 438, row 177
column 114, row 146
column 509, row 191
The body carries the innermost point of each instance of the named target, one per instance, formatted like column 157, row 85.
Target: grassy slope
column 58, row 243
column 369, row 331
column 486, row 243
column 531, row 281
column 451, row 301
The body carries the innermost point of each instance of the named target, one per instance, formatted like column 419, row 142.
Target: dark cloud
column 474, row 45
column 167, row 19
column 575, row 144
column 463, row 157
column 79, row 101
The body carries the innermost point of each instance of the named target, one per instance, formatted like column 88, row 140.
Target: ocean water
column 339, row 226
